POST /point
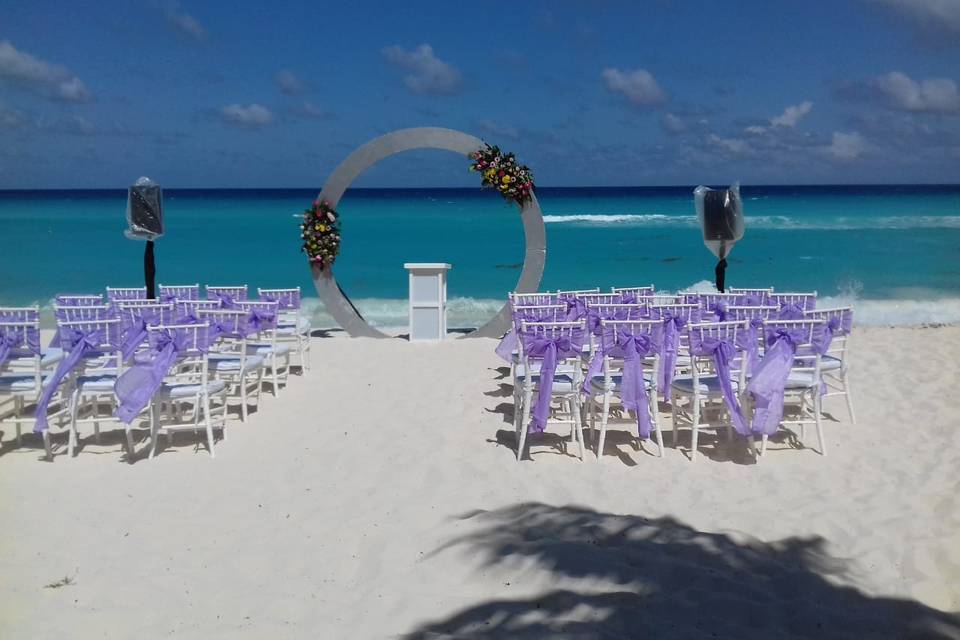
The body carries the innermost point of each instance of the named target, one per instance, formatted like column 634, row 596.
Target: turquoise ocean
column 892, row 251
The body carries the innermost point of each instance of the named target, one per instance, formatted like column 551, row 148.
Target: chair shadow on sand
column 661, row 578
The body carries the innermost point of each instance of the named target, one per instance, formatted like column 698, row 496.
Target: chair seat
column 598, row 384
column 191, row 390
column 830, row 363
column 562, row 382
column 228, row 363
column 288, row 328
column 801, row 380
column 97, row 384
column 535, row 368
column 21, row 383
column 50, row 356
column 266, row 350
column 709, row 385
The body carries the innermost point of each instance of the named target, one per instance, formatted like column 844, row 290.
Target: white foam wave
column 838, row 223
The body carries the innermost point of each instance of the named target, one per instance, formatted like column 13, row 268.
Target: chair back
column 531, row 299
column 286, row 299
column 760, row 295
column 19, row 334
column 131, row 312
column 664, row 298
column 806, row 301
column 577, row 292
column 810, row 337
column 574, row 332
column 613, row 331
column 600, row 298
column 689, row 311
column 637, row 292
column 193, row 308
column 105, row 334
column 78, row 300
column 745, row 313
column 194, row 340
column 701, row 334
column 262, row 318
column 232, row 293
column 117, row 294
column 840, row 321
column 179, row 292
column 78, row 313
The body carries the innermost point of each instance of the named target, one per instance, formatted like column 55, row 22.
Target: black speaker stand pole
column 149, row 270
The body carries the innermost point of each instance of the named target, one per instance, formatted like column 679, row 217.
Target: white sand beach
column 379, row 496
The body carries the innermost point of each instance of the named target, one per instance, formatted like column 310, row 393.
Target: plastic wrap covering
column 721, row 219
column 144, row 210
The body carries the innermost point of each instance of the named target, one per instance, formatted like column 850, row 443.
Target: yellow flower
column 321, row 227
column 505, row 179
column 316, row 226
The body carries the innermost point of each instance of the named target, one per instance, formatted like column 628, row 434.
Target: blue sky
column 254, row 94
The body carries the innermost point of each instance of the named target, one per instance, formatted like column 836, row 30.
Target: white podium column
column 428, row 300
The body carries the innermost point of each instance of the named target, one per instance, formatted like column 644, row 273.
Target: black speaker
column 145, row 211
column 720, row 211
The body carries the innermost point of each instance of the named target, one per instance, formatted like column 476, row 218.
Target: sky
column 252, row 94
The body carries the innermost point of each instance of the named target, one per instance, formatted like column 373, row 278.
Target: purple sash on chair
column 80, row 344
column 722, row 352
column 507, row 345
column 549, row 350
column 749, row 340
column 633, row 389
column 260, row 319
column 576, row 308
column 719, row 309
column 13, row 338
column 770, row 378
column 672, row 326
column 137, row 385
column 227, row 301
column 790, row 311
column 136, row 331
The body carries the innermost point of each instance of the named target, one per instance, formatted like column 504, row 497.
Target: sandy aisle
column 337, row 512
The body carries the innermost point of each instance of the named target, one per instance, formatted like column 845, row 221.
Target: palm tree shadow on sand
column 660, row 578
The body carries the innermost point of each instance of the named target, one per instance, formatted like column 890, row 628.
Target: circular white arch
column 405, row 140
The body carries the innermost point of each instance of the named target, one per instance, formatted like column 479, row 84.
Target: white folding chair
column 188, row 392
column 566, row 383
column 806, row 301
column 608, row 385
column 233, row 293
column 802, row 390
column 696, row 399
column 292, row 326
column 638, row 292
column 118, row 294
column 834, row 364
column 231, row 361
column 262, row 340
column 168, row 292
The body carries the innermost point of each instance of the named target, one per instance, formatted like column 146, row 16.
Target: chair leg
column 273, row 373
column 243, row 398
column 47, row 447
column 763, row 444
column 129, row 435
column 695, row 436
column 656, row 424
column 817, row 400
column 603, row 423
column 208, row 421
column 72, row 442
column 524, row 423
column 154, row 428
column 674, row 438
column 578, row 422
column 96, row 423
column 18, row 410
column 846, row 393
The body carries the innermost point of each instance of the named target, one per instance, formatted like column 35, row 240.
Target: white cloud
column 311, row 110
column 638, row 86
column 50, row 80
column 182, row 21
column 791, row 115
column 934, row 95
column 846, row 146
column 289, row 83
column 252, row 115
column 427, row 72
column 673, row 124
column 735, row 146
column 941, row 15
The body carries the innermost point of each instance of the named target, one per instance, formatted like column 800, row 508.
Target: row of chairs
column 591, row 379
column 227, row 346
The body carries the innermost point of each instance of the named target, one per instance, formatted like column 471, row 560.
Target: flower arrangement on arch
column 320, row 232
column 502, row 172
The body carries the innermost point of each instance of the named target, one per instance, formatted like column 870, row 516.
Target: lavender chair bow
column 260, row 319
column 549, row 350
column 509, row 343
column 576, row 308
column 80, row 343
column 138, row 384
column 12, row 338
column 633, row 348
column 790, row 311
column 227, row 301
column 723, row 353
column 768, row 382
column 673, row 325
column 135, row 331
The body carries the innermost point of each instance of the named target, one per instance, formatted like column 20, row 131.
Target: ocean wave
column 839, row 223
